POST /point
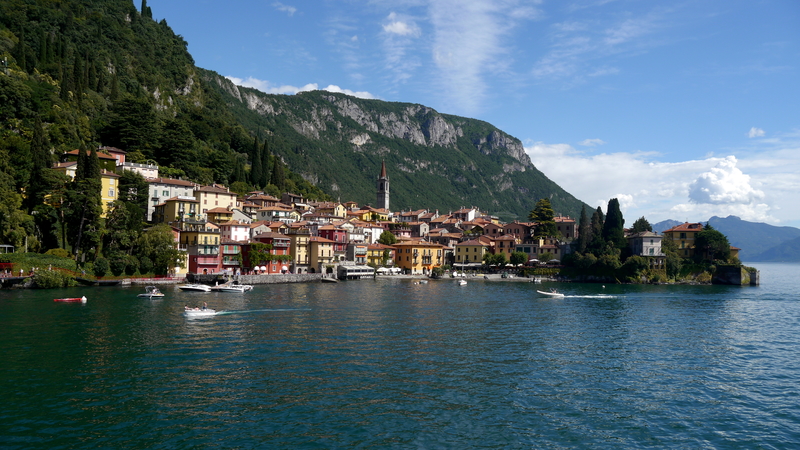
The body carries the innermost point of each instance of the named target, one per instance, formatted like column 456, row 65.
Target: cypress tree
column 584, row 232
column 597, row 243
column 41, row 163
column 278, row 178
column 265, row 154
column 613, row 231
column 256, row 168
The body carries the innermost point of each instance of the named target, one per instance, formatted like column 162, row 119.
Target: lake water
column 388, row 363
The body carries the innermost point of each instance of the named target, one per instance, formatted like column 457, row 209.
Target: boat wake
column 594, row 296
column 250, row 311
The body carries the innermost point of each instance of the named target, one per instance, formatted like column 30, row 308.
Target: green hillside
column 86, row 73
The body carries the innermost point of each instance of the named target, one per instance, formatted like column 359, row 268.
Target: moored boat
column 71, row 299
column 151, row 292
column 194, row 287
column 232, row 287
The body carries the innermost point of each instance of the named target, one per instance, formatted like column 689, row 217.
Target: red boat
column 71, row 300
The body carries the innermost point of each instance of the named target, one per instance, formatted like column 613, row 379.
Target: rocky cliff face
column 445, row 161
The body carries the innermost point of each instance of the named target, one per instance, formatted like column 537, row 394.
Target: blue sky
column 681, row 110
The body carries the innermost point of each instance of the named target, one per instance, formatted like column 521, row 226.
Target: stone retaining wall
column 255, row 279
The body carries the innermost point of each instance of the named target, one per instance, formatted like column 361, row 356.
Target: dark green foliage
column 131, row 265
column 145, row 265
column 613, row 227
column 543, row 215
column 712, row 245
column 518, row 258
column 641, row 225
column 100, row 267
column 133, row 188
column 584, row 232
column 116, row 265
column 387, row 238
column 52, row 279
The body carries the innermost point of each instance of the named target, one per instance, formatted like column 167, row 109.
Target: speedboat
column 230, row 287
column 151, row 292
column 552, row 293
column 462, row 282
column 193, row 313
column 195, row 287
column 71, row 299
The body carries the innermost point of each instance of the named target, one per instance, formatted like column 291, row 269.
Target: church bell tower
column 383, row 188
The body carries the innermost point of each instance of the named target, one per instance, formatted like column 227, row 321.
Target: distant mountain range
column 759, row 242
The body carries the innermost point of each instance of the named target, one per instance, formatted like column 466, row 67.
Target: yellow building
column 177, row 209
column 109, row 182
column 321, row 254
column 299, row 239
column 331, row 208
column 470, row 252
column 683, row 236
column 110, row 189
column 375, row 254
column 419, row 257
column 219, row 215
column 210, row 197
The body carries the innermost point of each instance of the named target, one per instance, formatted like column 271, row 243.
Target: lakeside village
column 218, row 235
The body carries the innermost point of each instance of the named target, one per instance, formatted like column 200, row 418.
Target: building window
column 111, row 192
column 165, row 193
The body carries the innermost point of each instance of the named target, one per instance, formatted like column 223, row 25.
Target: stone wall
column 255, row 279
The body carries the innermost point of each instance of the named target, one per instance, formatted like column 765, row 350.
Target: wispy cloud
column 289, row 10
column 269, row 88
column 400, row 34
column 581, row 48
column 755, row 132
column 591, row 142
column 469, row 43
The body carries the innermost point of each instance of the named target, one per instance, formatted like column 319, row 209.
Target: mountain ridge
column 483, row 165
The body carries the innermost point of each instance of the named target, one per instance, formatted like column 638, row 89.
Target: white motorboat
column 462, row 282
column 195, row 287
column 552, row 293
column 151, row 292
column 192, row 313
column 231, row 287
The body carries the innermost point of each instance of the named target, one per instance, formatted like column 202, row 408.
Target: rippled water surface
column 389, row 363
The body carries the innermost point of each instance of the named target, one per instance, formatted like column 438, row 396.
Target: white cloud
column 755, row 132
column 267, row 87
column 290, row 10
column 591, row 142
column 400, row 27
column 724, row 184
column 674, row 190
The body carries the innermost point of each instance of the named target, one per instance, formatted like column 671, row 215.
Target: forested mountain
column 434, row 160
column 85, row 73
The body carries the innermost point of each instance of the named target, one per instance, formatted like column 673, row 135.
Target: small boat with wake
column 151, row 292
column 194, row 287
column 552, row 293
column 195, row 313
column 81, row 299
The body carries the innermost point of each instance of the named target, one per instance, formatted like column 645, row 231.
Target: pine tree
column 543, row 215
